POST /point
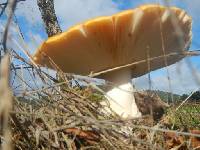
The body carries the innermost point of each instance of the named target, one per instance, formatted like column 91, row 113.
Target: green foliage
column 96, row 97
column 188, row 116
column 167, row 96
column 183, row 97
column 194, row 98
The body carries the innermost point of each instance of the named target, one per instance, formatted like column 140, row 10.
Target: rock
column 150, row 103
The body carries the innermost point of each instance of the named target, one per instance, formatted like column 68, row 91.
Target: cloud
column 182, row 78
column 30, row 11
column 16, row 42
column 69, row 12
column 34, row 42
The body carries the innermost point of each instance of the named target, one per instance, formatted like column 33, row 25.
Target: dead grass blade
column 5, row 102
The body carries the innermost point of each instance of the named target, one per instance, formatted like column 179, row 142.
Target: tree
column 47, row 10
column 196, row 96
column 49, row 18
column 183, row 97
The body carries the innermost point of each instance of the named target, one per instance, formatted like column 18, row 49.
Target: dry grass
column 58, row 115
column 5, row 104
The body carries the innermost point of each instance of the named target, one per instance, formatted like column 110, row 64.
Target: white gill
column 82, row 30
column 165, row 15
column 137, row 17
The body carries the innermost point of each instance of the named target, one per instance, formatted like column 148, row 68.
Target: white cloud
column 181, row 77
column 69, row 12
column 72, row 12
column 30, row 11
column 34, row 42
column 16, row 42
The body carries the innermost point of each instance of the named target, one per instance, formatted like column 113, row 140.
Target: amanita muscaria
column 102, row 43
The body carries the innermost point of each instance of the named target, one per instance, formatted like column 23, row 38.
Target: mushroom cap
column 130, row 36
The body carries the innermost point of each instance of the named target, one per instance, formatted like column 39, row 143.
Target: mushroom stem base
column 121, row 100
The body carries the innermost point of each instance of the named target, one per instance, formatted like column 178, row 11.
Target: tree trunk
column 46, row 8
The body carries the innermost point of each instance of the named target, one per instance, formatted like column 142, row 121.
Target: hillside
column 167, row 96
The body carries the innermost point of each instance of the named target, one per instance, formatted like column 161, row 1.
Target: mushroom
column 144, row 37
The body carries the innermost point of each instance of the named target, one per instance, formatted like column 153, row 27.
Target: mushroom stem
column 121, row 96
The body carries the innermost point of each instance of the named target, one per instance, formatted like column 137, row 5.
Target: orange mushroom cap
column 129, row 36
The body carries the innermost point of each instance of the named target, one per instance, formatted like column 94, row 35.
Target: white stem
column 121, row 97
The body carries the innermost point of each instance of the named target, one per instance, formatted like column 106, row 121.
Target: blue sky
column 70, row 12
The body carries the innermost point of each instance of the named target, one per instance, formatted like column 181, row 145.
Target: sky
column 184, row 77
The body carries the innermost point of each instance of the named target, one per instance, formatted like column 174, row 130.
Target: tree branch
column 46, row 8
